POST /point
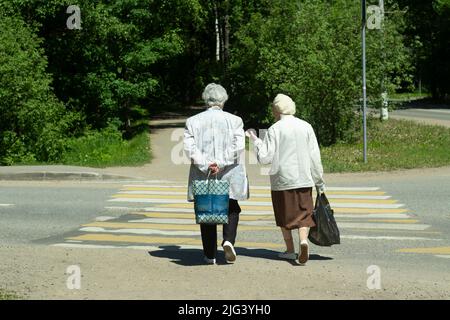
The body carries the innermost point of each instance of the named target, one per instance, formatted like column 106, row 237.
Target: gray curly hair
column 215, row 95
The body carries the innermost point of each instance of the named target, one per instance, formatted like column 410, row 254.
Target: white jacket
column 290, row 145
column 217, row 136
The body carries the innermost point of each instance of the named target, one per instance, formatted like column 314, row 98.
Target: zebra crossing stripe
column 94, row 237
column 258, row 195
column 251, row 187
column 385, row 226
column 166, row 224
column 270, row 208
column 259, row 200
column 141, row 231
column 253, row 192
column 357, row 237
column 191, row 216
column 435, row 250
column 256, row 203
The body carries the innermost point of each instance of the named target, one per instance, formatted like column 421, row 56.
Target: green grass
column 393, row 144
column 107, row 149
column 4, row 295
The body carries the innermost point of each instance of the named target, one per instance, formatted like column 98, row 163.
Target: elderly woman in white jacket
column 290, row 145
column 214, row 140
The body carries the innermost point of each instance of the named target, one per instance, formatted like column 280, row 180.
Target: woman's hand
column 251, row 133
column 214, row 168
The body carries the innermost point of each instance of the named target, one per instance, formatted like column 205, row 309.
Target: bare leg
column 287, row 236
column 303, row 233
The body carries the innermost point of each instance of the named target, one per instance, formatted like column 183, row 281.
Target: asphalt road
column 429, row 116
column 408, row 238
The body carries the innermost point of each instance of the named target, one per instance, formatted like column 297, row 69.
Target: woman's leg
column 303, row 233
column 209, row 240
column 287, row 236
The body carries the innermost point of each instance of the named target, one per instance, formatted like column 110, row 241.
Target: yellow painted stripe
column 192, row 216
column 162, row 240
column 180, row 197
column 257, row 191
column 270, row 209
column 163, row 226
column 405, row 221
column 436, row 250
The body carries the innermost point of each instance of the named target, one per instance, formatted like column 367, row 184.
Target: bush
column 33, row 123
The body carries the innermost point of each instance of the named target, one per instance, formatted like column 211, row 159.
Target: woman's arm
column 265, row 150
column 316, row 162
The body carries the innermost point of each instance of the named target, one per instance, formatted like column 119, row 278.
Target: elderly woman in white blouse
column 290, row 145
column 214, row 140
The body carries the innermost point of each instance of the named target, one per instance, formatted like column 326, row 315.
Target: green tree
column 33, row 124
column 123, row 62
column 311, row 50
column 428, row 32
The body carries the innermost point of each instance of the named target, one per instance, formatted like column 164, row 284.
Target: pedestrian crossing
column 154, row 215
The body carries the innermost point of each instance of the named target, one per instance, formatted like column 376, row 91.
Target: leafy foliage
column 310, row 50
column 33, row 124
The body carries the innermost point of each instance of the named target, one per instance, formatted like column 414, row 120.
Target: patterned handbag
column 211, row 198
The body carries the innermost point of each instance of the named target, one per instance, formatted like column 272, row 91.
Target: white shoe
column 287, row 255
column 210, row 261
column 304, row 253
column 230, row 253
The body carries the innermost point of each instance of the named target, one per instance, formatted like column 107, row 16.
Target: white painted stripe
column 87, row 246
column 192, row 222
column 254, row 187
column 155, row 192
column 257, row 195
column 154, row 186
column 99, row 246
column 362, row 197
column 264, row 213
column 367, row 205
column 143, row 200
column 355, row 237
column 390, row 226
column 264, row 203
column 122, row 208
column 104, row 218
column 75, row 241
column 372, row 216
column 141, row 231
column 6, row 205
column 445, row 256
column 187, row 210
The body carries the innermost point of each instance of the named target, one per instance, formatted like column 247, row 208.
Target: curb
column 45, row 175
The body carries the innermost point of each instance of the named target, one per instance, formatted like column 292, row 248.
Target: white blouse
column 290, row 145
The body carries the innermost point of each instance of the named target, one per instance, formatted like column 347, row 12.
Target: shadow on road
column 194, row 257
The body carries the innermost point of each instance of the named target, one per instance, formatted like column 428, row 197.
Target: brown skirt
column 293, row 208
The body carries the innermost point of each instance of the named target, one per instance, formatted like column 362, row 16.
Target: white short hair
column 215, row 95
column 283, row 104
